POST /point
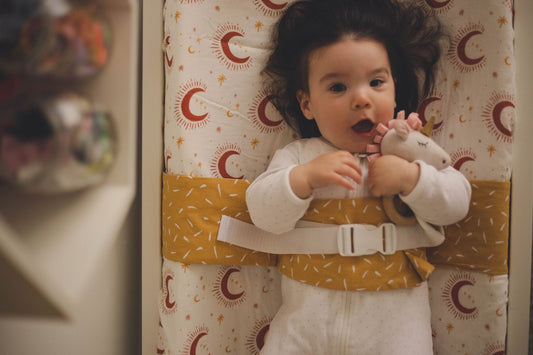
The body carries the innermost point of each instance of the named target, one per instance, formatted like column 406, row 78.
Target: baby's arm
column 271, row 202
column 440, row 197
column 326, row 169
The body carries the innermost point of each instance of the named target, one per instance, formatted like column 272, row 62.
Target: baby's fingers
column 352, row 169
column 353, row 173
column 340, row 180
column 345, row 175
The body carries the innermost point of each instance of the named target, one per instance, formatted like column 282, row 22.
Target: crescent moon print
column 263, row 114
column 270, row 8
column 435, row 6
column 462, row 156
column 223, row 291
column 161, row 347
column 168, row 156
column 226, row 48
column 497, row 348
column 465, row 52
column 499, row 116
column 426, row 114
column 168, row 60
column 256, row 340
column 168, row 304
column 189, row 108
column 194, row 341
column 219, row 163
column 454, row 296
column 508, row 60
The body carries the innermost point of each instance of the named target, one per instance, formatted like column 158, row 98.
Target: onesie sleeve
column 441, row 197
column 272, row 204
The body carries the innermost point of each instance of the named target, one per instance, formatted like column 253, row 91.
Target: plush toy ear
column 413, row 120
column 428, row 127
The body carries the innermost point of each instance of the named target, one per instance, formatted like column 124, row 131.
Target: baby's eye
column 337, row 87
column 376, row 82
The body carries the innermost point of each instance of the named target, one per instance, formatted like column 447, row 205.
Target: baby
column 339, row 68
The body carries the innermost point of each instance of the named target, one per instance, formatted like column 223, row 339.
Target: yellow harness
column 192, row 208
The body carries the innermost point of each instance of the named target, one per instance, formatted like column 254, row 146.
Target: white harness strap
column 319, row 238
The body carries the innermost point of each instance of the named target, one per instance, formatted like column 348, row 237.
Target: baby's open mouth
column 364, row 126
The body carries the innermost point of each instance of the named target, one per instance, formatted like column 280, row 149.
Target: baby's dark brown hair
column 409, row 34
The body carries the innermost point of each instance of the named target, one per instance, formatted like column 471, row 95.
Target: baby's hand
column 391, row 175
column 327, row 169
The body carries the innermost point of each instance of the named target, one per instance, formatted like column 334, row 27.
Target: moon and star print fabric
column 219, row 123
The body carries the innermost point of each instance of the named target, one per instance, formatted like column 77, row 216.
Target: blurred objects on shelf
column 53, row 38
column 56, row 144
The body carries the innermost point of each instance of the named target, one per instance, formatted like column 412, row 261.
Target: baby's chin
column 358, row 147
column 350, row 142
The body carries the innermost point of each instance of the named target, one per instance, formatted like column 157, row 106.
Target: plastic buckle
column 365, row 239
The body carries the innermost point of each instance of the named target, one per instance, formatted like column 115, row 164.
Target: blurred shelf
column 50, row 245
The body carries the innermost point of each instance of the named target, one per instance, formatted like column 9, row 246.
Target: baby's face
column 351, row 90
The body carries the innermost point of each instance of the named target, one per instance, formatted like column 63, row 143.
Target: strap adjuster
column 365, row 239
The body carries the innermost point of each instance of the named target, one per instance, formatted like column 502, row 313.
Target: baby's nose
column 360, row 100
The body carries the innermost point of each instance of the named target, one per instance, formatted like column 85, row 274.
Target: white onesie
column 315, row 320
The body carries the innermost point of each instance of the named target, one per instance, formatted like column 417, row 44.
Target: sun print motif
column 219, row 163
column 190, row 108
column 457, row 296
column 499, row 115
column 263, row 114
column 228, row 47
column 271, row 8
column 224, row 288
column 466, row 52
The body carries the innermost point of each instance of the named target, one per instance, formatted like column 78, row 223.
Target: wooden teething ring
column 397, row 211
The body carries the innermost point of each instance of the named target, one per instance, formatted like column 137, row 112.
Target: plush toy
column 402, row 137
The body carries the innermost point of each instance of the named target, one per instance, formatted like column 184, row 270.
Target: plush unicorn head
column 402, row 138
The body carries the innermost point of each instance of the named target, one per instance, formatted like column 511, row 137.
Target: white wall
column 108, row 319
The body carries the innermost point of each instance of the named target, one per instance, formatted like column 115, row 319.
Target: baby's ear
column 303, row 100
